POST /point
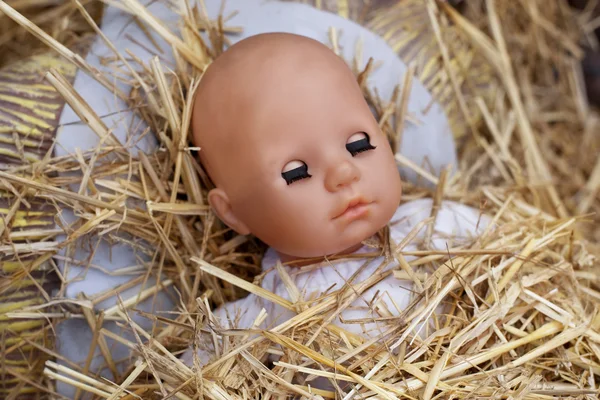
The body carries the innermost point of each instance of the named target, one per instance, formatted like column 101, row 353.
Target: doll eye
column 295, row 171
column 358, row 143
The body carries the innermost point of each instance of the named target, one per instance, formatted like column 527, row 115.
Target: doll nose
column 341, row 175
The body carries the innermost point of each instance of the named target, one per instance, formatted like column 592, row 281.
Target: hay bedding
column 523, row 297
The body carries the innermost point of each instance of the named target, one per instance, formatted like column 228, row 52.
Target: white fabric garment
column 455, row 225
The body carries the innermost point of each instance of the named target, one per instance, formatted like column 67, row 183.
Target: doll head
column 292, row 147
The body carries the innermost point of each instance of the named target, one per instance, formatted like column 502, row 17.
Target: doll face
column 305, row 167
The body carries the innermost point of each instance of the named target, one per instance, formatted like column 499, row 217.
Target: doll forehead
column 305, row 128
column 269, row 89
column 282, row 128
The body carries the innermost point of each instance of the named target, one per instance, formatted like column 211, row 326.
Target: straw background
column 524, row 297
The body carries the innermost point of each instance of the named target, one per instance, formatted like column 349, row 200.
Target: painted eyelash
column 359, row 146
column 296, row 174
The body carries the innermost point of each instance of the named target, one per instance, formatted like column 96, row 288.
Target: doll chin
column 355, row 243
column 347, row 247
column 361, row 230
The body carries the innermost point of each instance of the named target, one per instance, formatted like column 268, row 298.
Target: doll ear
column 219, row 201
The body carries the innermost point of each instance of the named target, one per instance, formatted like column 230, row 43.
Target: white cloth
column 98, row 259
column 455, row 225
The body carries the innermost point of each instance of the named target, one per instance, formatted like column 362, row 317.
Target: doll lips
column 355, row 209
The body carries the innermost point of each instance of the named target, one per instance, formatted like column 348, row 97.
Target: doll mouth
column 354, row 209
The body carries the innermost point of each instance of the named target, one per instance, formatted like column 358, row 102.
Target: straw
column 520, row 300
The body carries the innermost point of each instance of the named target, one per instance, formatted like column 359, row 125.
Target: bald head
column 287, row 137
column 258, row 78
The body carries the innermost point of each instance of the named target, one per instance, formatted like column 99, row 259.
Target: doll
column 299, row 161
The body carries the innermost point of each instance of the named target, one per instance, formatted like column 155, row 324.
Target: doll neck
column 294, row 261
